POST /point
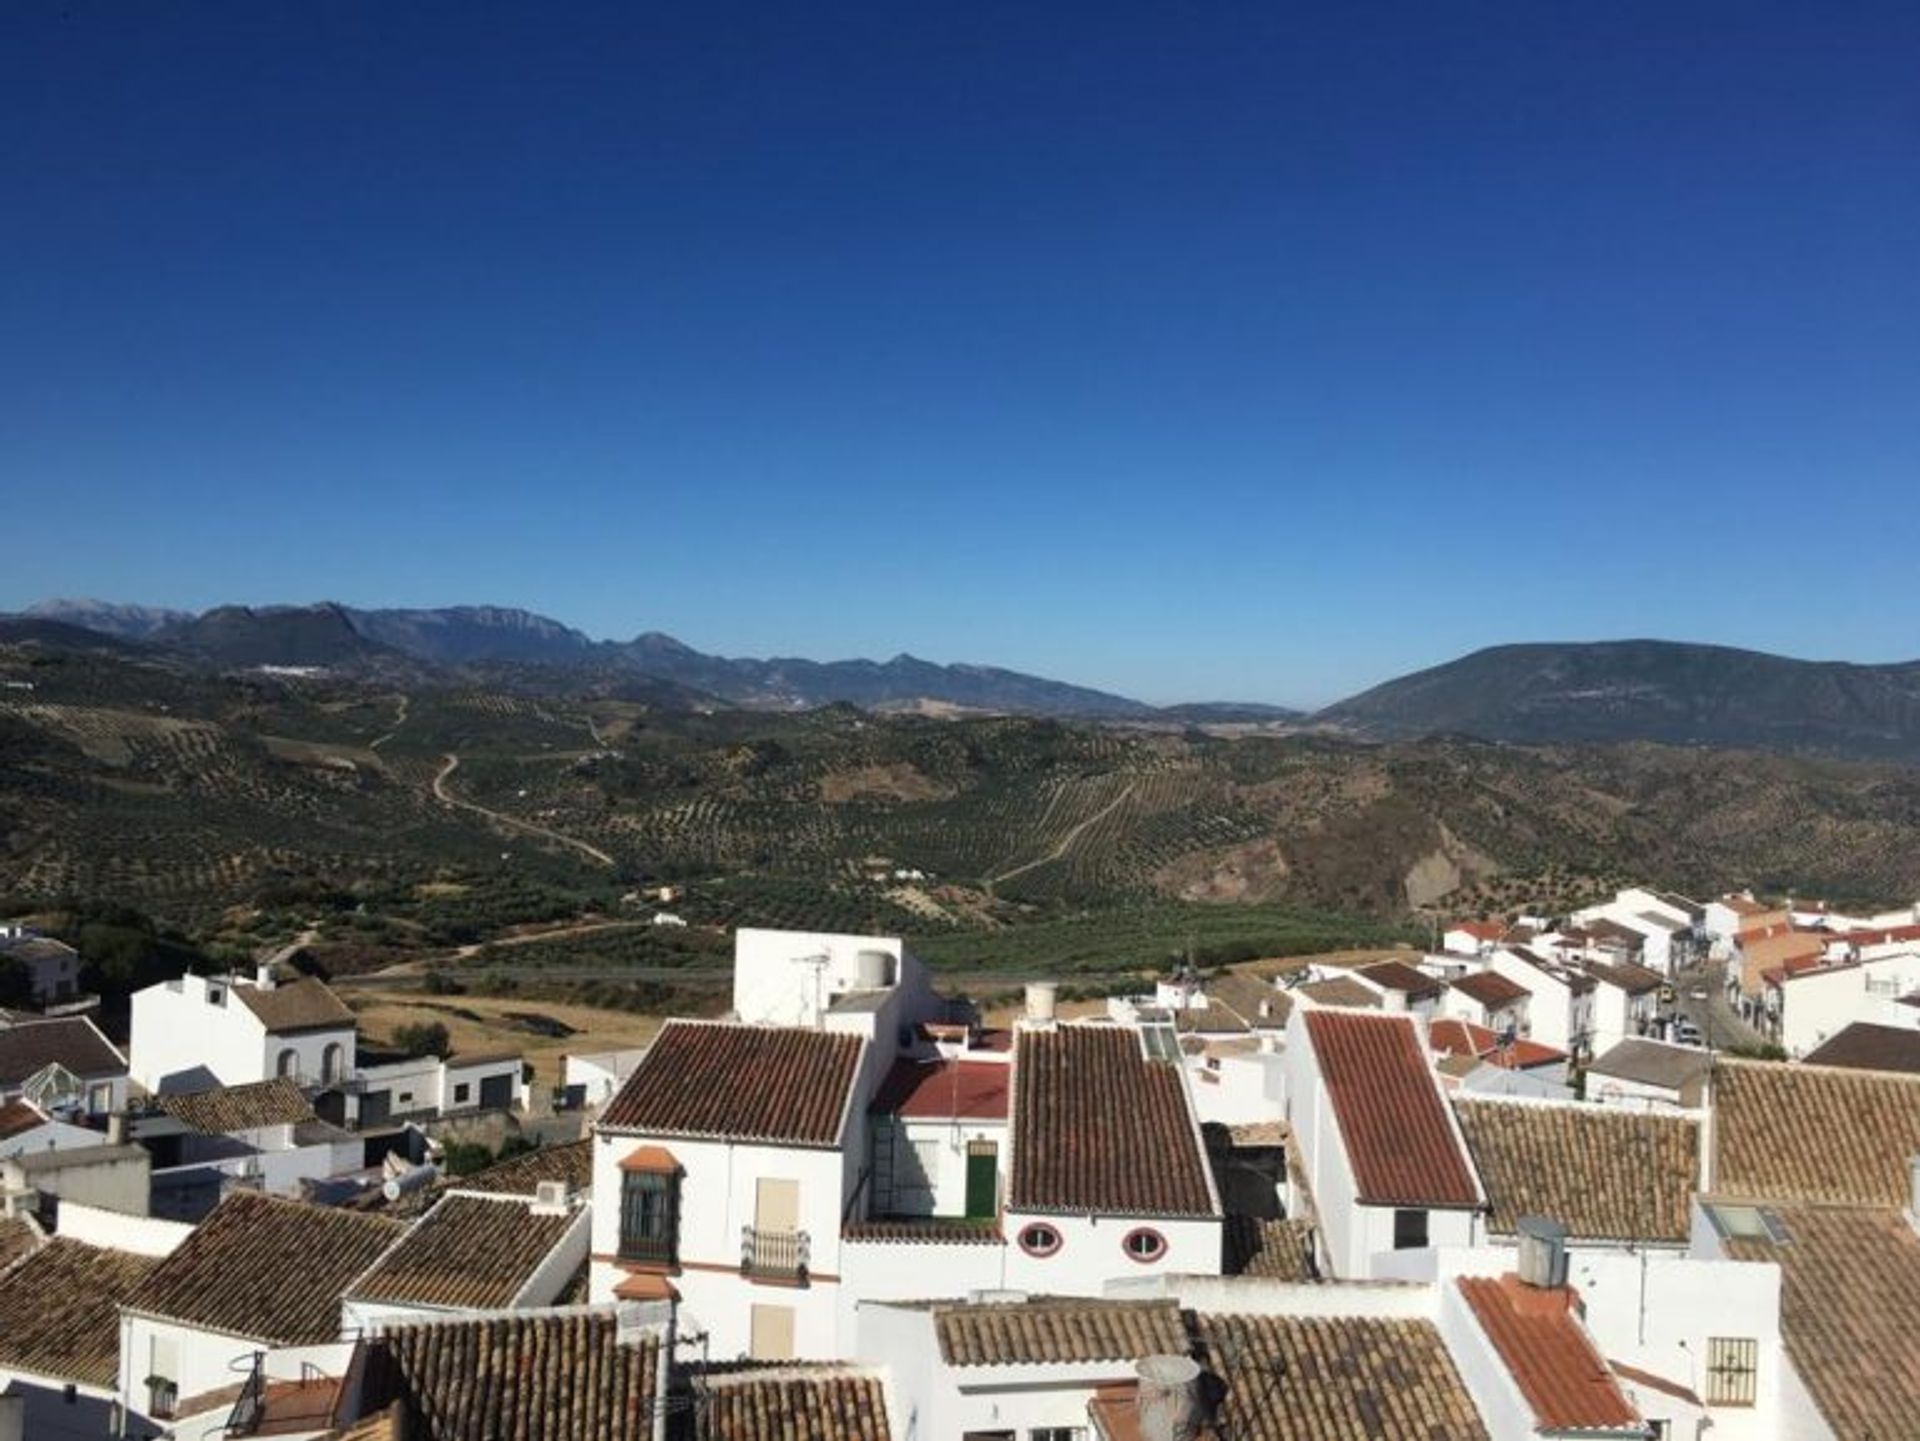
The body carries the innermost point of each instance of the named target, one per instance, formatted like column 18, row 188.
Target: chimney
column 1167, row 1400
column 117, row 1129
column 263, row 975
column 1041, row 999
column 1543, row 1253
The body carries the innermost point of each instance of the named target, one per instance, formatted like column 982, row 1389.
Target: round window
column 1039, row 1239
column 1144, row 1245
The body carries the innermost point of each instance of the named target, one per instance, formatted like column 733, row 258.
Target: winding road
column 451, row 763
column 1066, row 842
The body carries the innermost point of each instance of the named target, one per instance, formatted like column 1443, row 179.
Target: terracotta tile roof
column 59, row 1315
column 225, row 1109
column 1625, row 976
column 924, row 1230
column 72, row 1041
column 1654, row 1063
column 1279, row 1249
column 533, row 1376
column 18, row 1236
column 1401, row 977
column 1340, row 991
column 823, row 1403
column 1057, row 1330
column 1245, row 993
column 1863, row 1046
column 568, row 1161
column 1327, row 1378
column 1464, row 1038
column 472, row 1253
column 1548, row 1354
column 775, row 1084
column 290, row 1407
column 264, row 1268
column 1604, row 1172
column 1398, row 1132
column 1813, row 1133
column 1100, row 1128
column 1577, row 981
column 945, row 1090
column 1849, row 1313
column 293, row 1006
column 1490, row 988
column 1216, row 1018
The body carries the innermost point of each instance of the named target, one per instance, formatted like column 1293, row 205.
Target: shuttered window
column 649, row 1216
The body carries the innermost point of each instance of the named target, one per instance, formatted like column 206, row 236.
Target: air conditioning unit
column 550, row 1198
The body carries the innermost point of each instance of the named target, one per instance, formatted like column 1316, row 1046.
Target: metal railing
column 774, row 1254
column 250, row 1405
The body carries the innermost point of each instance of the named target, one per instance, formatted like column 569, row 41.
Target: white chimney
column 263, row 975
column 1167, row 1400
column 1042, row 997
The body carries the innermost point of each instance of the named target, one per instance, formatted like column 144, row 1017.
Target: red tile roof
column 1464, row 1038
column 946, row 1090
column 1490, row 988
column 1399, row 976
column 776, row 1084
column 1548, row 1354
column 1099, row 1127
column 18, row 1116
column 1398, row 1132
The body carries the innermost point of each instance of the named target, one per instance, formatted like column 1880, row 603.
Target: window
column 1409, row 1230
column 99, row 1100
column 462, row 1092
column 216, row 996
column 289, row 1064
column 1039, row 1239
column 1731, row 1364
column 1144, row 1245
column 333, row 1062
column 1057, row 1433
column 649, row 1216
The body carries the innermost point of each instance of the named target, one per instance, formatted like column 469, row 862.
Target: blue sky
column 1254, row 352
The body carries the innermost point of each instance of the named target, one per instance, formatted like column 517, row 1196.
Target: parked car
column 1686, row 1032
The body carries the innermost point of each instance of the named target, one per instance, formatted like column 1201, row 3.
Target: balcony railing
column 774, row 1255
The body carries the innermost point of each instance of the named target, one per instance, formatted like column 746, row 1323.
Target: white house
column 64, row 1065
column 591, row 1080
column 1625, row 1002
column 52, row 967
column 473, row 1252
column 1473, row 938
column 1644, row 1074
column 1811, row 1006
column 25, row 1127
column 1561, row 1002
column 200, row 1031
column 257, row 1274
column 1385, row 1160
column 264, row 1134
column 59, row 1339
column 1487, row 998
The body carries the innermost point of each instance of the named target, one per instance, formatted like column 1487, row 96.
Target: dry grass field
column 498, row 1024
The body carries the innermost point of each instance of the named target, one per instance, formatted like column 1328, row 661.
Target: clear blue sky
column 1226, row 350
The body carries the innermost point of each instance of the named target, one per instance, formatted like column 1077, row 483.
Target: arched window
column 331, row 1062
column 1144, row 1245
column 288, row 1064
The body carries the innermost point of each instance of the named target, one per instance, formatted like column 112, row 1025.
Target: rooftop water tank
column 872, row 970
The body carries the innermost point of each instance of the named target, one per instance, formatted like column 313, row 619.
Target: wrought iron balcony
column 774, row 1255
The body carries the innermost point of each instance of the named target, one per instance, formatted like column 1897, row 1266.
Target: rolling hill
column 1648, row 690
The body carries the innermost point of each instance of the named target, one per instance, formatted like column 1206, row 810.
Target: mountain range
column 1668, row 692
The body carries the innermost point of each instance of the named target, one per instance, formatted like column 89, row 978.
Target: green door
column 983, row 1173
